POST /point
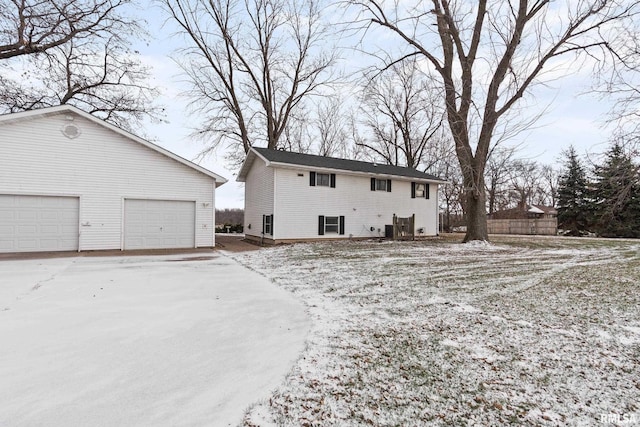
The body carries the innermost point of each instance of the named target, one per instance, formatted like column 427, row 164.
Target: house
column 524, row 219
column 72, row 182
column 296, row 197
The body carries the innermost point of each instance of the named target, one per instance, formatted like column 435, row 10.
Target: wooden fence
column 541, row 226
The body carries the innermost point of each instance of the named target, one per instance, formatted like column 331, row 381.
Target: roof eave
column 352, row 172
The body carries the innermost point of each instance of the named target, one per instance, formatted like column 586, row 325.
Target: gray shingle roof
column 309, row 160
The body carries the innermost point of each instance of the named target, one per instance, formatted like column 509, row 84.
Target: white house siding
column 101, row 167
column 258, row 198
column 298, row 206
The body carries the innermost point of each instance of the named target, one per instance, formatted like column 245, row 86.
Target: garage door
column 38, row 223
column 159, row 224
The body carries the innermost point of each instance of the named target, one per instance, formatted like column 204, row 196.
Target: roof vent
column 71, row 131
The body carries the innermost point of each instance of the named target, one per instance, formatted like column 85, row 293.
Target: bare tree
column 497, row 174
column 74, row 52
column 297, row 135
column 487, row 56
column 252, row 64
column 35, row 26
column 451, row 195
column 403, row 112
column 525, row 177
column 550, row 180
column 333, row 126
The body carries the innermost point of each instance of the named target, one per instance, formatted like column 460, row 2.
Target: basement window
column 331, row 224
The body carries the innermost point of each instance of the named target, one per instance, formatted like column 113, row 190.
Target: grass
column 539, row 331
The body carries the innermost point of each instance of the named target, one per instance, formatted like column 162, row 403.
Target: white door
column 38, row 223
column 159, row 224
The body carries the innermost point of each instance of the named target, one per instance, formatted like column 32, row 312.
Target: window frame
column 327, row 225
column 376, row 184
column 320, row 182
column 415, row 191
column 316, row 179
column 268, row 224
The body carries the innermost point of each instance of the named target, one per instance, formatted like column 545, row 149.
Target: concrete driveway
column 173, row 340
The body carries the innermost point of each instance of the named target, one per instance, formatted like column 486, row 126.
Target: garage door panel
column 38, row 223
column 27, row 229
column 27, row 245
column 27, row 214
column 159, row 224
column 50, row 230
column 7, row 215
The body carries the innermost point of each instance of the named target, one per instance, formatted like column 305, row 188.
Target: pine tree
column 573, row 197
column 616, row 195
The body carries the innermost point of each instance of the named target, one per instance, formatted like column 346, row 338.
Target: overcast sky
column 569, row 118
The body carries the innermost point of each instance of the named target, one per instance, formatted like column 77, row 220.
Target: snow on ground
column 182, row 340
column 525, row 331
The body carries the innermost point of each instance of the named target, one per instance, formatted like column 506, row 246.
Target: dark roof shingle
column 288, row 157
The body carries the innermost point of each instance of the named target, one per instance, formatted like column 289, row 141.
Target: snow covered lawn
column 537, row 331
column 181, row 340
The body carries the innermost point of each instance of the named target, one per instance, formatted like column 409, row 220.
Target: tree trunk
column 476, row 217
column 476, row 200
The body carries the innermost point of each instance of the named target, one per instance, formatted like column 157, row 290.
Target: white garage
column 72, row 182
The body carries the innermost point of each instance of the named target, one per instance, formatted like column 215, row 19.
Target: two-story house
column 296, row 197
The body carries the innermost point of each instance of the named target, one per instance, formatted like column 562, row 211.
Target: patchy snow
column 526, row 331
column 141, row 341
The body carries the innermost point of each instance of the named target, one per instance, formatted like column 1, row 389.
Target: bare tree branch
column 252, row 63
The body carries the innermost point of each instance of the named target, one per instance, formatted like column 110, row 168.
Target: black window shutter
column 333, row 180
column 373, row 184
column 342, row 225
column 426, row 191
column 389, row 186
column 413, row 190
column 264, row 220
column 321, row 225
column 312, row 179
column 272, row 224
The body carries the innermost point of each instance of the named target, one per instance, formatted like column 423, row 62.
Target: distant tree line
column 603, row 200
column 232, row 218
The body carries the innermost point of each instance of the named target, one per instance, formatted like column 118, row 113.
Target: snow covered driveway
column 174, row 340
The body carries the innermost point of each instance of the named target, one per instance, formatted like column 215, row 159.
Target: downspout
column 273, row 209
column 437, row 210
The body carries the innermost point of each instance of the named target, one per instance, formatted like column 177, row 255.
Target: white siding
column 258, row 199
column 298, row 206
column 103, row 168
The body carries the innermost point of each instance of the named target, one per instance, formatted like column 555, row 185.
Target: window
column 267, row 224
column 322, row 179
column 380, row 185
column 331, row 224
column 419, row 190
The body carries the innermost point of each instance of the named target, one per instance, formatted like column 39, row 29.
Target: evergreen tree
column 573, row 197
column 616, row 195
